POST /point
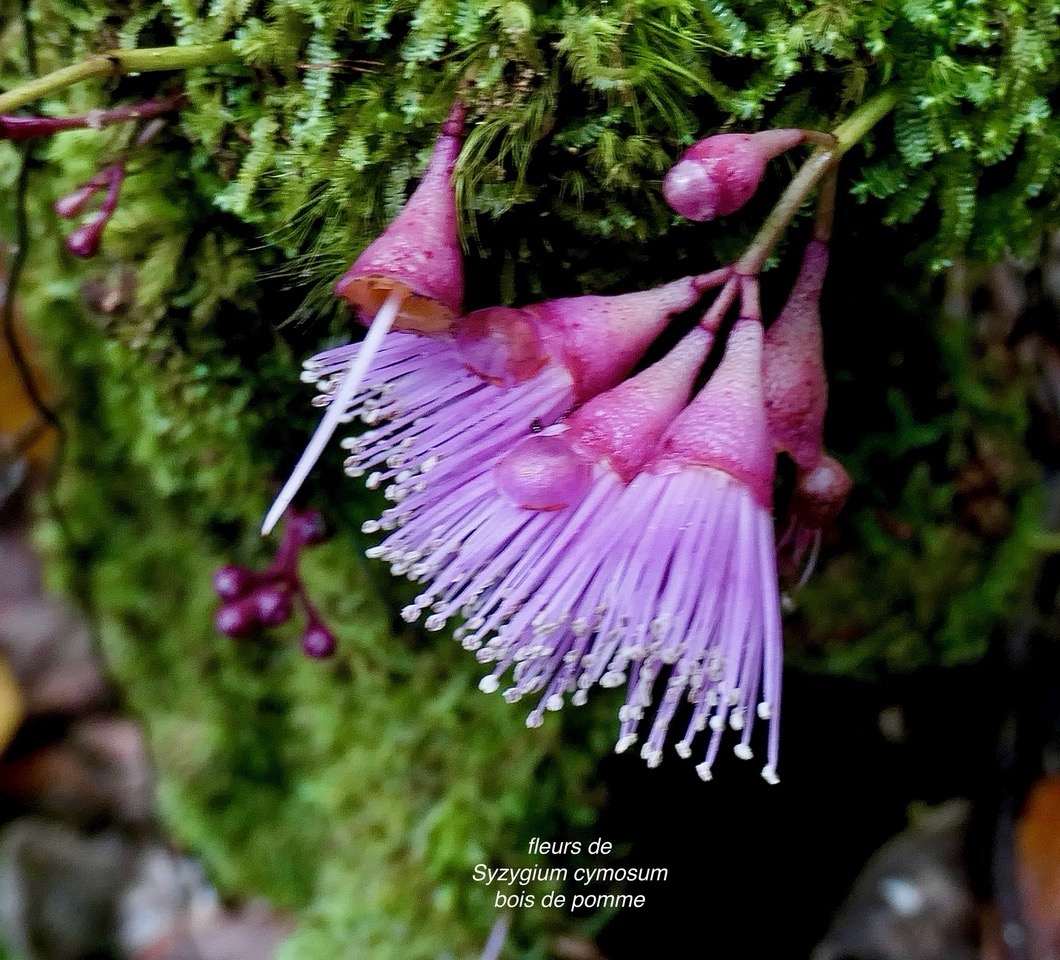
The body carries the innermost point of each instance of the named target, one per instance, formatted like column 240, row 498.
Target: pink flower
column 448, row 407
column 674, row 573
column 410, row 278
column 485, row 545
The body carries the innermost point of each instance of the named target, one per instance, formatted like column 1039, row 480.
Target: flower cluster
column 85, row 239
column 252, row 599
column 589, row 524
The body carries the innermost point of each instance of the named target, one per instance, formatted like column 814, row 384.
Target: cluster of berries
column 591, row 527
column 253, row 599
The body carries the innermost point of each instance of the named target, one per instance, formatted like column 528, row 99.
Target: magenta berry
column 272, row 604
column 233, row 583
column 718, row 175
column 318, row 641
column 237, row 619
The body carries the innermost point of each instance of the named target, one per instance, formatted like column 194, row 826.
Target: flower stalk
column 819, row 165
column 18, row 129
column 118, row 63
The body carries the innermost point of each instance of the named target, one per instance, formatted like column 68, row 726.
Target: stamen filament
column 380, row 327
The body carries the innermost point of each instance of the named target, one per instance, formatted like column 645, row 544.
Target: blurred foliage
column 362, row 792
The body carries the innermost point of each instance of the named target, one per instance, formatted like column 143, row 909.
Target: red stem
column 17, row 129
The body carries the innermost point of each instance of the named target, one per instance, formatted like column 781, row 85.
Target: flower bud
column 85, row 240
column 272, row 605
column 820, row 493
column 307, row 527
column 718, row 175
column 237, row 619
column 318, row 641
column 233, row 583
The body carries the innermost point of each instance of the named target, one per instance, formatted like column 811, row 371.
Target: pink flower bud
column 85, row 240
column 718, row 175
column 272, row 605
column 318, row 641
column 820, row 493
column 73, row 203
column 233, row 583
column 237, row 619
column 307, row 527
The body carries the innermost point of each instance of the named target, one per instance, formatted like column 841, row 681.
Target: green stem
column 116, row 63
column 1046, row 542
column 820, row 162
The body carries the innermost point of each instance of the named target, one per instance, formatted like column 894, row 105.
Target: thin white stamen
column 380, row 327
